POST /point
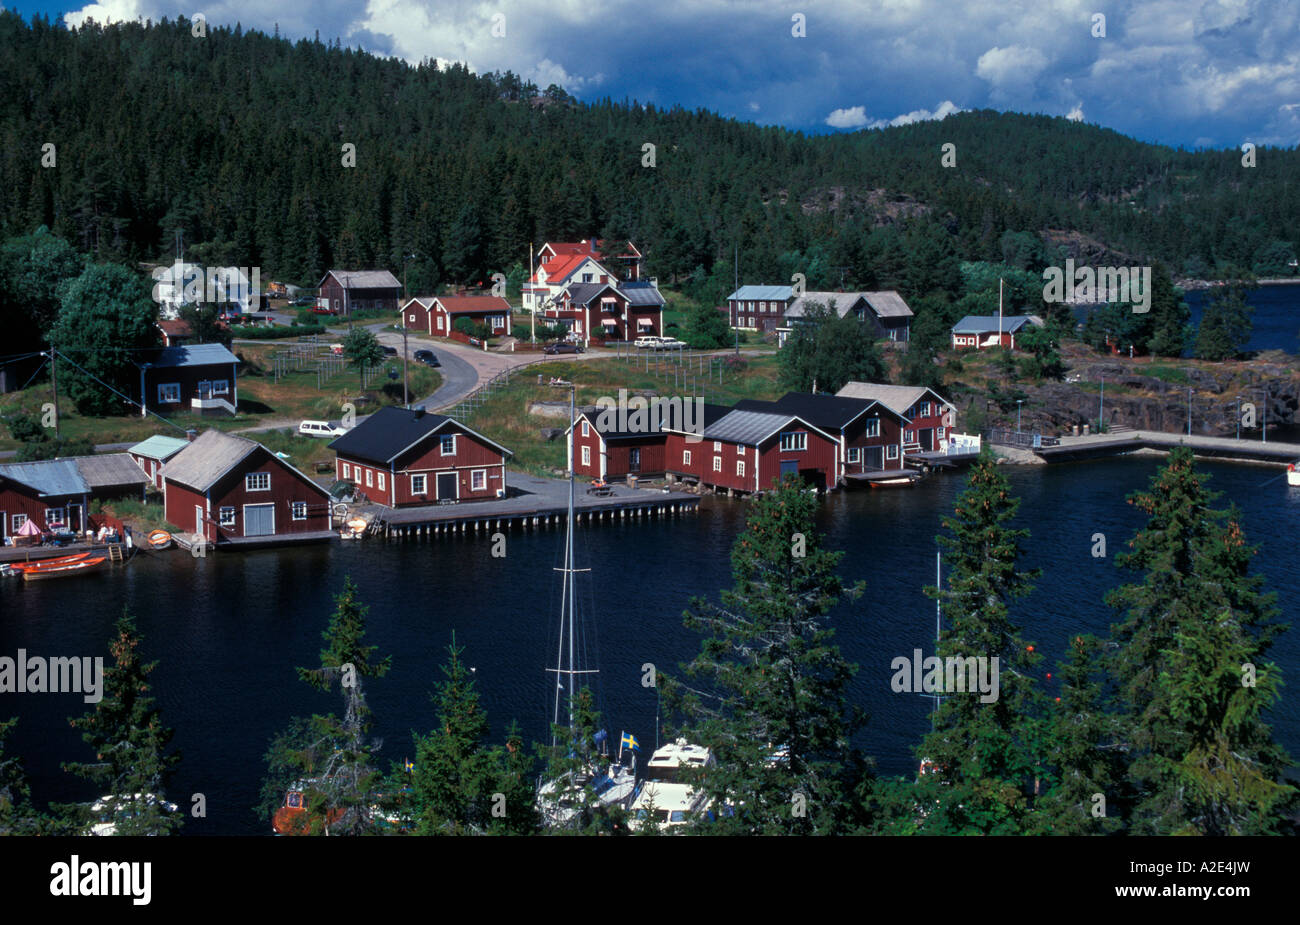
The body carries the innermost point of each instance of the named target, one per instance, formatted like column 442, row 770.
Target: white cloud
column 1012, row 67
column 941, row 112
column 1075, row 114
column 853, row 117
column 106, row 12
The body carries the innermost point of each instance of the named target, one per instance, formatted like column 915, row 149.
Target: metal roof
column 583, row 293
column 827, row 411
column 391, row 431
column 364, row 279
column 752, row 427
column 193, row 355
column 109, row 470
column 779, row 293
column 887, row 304
column 642, row 294
column 49, row 477
column 207, row 459
column 598, row 417
column 984, row 324
column 897, row 398
column 844, row 302
column 159, row 446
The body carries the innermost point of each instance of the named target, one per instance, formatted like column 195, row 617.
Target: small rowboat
column 63, row 571
column 1293, row 473
column 36, row 565
column 160, row 539
column 900, row 482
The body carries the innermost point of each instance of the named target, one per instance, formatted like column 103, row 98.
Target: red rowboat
column 63, row 571
column 54, row 562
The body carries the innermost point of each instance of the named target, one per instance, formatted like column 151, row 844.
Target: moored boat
column 1293, row 473
column 54, row 562
column 160, row 539
column 83, row 567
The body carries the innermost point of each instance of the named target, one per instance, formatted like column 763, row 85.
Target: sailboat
column 605, row 782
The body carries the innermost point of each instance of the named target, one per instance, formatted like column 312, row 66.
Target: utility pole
column 532, row 314
column 406, row 387
column 54, row 379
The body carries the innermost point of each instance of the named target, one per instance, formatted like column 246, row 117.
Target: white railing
column 961, row 444
column 201, row 404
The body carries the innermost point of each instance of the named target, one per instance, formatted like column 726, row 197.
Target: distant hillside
column 235, row 139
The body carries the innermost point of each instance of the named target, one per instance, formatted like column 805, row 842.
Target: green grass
column 504, row 417
column 1166, row 373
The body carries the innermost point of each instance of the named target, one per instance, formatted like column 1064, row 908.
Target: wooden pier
column 1096, row 445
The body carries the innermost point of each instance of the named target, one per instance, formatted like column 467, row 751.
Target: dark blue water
column 229, row 630
column 1276, row 319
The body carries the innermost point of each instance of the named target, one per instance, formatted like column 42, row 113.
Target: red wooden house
column 980, row 332
column 870, row 434
column 606, row 447
column 402, row 457
column 152, row 454
column 345, row 291
column 437, row 315
column 229, row 490
column 56, row 493
column 748, row 451
column 930, row 417
column 197, row 378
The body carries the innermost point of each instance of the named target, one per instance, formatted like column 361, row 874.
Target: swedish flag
column 629, row 741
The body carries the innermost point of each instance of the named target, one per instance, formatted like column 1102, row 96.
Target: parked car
column 670, row 343
column 389, row 351
column 427, row 357
column 321, row 429
column 648, row 341
column 561, row 347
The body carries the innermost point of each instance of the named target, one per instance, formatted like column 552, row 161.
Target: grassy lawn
column 262, row 401
column 505, row 418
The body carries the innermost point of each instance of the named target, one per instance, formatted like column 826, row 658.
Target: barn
column 345, row 291
column 233, row 491
column 401, row 457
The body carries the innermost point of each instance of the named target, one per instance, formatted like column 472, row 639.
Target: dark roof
column 584, row 293
column 642, row 293
column 750, row 428
column 110, row 470
column 389, row 432
column 207, row 458
column 709, row 412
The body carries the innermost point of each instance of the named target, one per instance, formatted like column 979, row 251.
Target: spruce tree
column 767, row 691
column 132, row 764
column 17, row 816
column 983, row 760
column 1191, row 668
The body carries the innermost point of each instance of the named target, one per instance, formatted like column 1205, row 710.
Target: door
column 4, row 526
column 789, row 467
column 927, row 439
column 634, row 459
column 205, row 389
column 198, row 520
column 447, row 483
column 74, row 518
column 259, row 519
column 875, row 458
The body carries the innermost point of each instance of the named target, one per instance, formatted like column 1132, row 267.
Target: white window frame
column 872, row 428
column 442, row 444
column 586, row 456
column 586, row 428
column 855, row 454
column 220, row 386
column 298, row 510
column 165, row 392
column 717, row 464
column 369, row 478
column 740, row 467
column 347, row 471
column 686, row 457
column 478, row 480
column 226, row 516
column 892, row 452
column 379, row 478
column 794, row 441
column 18, row 520
column 419, row 484
column 251, row 485
column 717, row 446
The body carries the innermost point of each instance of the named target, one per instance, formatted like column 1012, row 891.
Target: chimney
column 419, row 411
column 190, row 434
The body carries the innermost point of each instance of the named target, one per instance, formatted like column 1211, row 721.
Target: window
column 686, row 457
column 449, row 445
column 717, row 464
column 169, row 393
column 740, row 467
column 939, row 433
column 347, row 471
column 369, row 476
column 873, row 428
column 417, row 484
column 227, row 515
column 440, row 322
column 478, row 480
column 412, row 319
column 923, row 409
column 586, row 456
column 257, row 481
column 893, row 451
column 54, row 517
column 909, row 436
column 586, row 429
column 717, row 446
column 18, row 521
column 794, row 442
column 855, row 454
column 220, row 387
column 299, row 509
column 380, row 477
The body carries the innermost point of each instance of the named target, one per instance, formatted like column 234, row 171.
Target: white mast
column 999, row 311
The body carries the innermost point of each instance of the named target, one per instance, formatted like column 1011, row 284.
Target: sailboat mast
column 938, row 609
column 573, row 432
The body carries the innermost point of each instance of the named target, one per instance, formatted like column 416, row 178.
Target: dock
column 882, row 477
column 534, row 502
column 1069, row 449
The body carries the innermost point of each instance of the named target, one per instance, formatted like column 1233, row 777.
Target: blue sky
column 1212, row 73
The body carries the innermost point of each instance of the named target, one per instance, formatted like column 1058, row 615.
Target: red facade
column 19, row 502
column 237, row 507
column 748, row 468
column 619, row 456
column 873, row 442
column 474, row 471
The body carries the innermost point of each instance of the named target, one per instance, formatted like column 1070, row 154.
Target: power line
column 129, row 399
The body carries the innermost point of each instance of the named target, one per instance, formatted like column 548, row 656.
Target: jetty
column 532, row 502
column 1092, row 446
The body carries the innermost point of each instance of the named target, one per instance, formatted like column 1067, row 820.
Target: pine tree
column 17, row 816
column 1191, row 668
column 132, row 764
column 1225, row 323
column 983, row 759
column 332, row 757
column 767, row 692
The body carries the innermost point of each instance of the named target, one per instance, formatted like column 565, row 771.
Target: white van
column 321, row 429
